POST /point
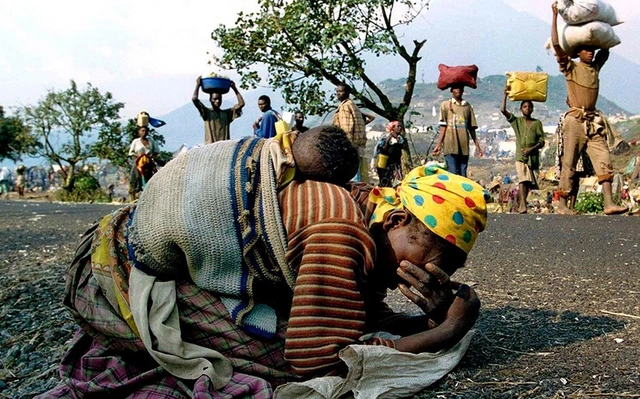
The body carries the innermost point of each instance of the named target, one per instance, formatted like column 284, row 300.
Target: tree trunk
column 70, row 178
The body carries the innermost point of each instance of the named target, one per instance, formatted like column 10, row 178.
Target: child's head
column 526, row 107
column 585, row 53
column 325, row 153
column 457, row 91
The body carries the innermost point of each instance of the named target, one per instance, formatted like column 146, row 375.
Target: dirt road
column 560, row 303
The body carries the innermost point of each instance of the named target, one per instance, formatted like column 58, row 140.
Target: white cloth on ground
column 379, row 372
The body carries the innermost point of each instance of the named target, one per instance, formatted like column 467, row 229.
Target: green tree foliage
column 15, row 138
column 306, row 43
column 64, row 122
column 113, row 144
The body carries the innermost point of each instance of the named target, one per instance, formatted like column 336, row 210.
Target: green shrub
column 86, row 188
column 590, row 203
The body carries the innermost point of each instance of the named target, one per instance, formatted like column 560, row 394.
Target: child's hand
column 435, row 294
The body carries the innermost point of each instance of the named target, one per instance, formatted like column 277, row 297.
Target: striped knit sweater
column 332, row 250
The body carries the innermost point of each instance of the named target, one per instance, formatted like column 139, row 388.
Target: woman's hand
column 434, row 291
column 465, row 308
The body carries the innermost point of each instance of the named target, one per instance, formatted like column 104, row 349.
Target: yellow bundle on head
column 451, row 206
column 527, row 86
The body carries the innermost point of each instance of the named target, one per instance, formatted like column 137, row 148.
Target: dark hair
column 345, row 86
column 325, row 153
column 265, row 98
column 526, row 101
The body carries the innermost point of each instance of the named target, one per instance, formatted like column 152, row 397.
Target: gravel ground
column 560, row 304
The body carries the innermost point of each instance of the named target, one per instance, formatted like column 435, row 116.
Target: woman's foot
column 615, row 210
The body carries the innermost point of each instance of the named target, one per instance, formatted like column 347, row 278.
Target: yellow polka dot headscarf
column 451, row 206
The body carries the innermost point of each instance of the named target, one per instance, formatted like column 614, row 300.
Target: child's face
column 526, row 108
column 457, row 92
column 586, row 54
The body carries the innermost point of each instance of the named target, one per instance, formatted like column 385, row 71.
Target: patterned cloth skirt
column 106, row 357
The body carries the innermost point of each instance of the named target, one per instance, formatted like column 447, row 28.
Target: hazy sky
column 148, row 53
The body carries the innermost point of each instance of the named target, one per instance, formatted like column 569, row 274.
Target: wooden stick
column 622, row 315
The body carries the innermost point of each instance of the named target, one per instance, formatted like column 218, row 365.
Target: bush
column 86, row 188
column 590, row 203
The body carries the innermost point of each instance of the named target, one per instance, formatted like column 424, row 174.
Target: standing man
column 299, row 122
column 265, row 126
column 457, row 124
column 349, row 118
column 217, row 120
column 582, row 126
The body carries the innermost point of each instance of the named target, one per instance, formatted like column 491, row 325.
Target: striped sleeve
column 331, row 248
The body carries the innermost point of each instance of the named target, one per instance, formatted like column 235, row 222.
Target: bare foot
column 566, row 211
column 615, row 210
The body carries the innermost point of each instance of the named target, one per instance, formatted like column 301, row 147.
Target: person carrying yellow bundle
column 529, row 140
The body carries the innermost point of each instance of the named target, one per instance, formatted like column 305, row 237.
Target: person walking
column 582, row 126
column 457, row 124
column 529, row 140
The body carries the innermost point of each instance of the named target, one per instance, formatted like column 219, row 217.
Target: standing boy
column 582, row 125
column 457, row 124
column 529, row 140
column 217, row 120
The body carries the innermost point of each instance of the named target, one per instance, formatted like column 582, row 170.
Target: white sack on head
column 596, row 33
column 576, row 12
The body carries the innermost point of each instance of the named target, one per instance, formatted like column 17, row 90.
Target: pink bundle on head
column 392, row 125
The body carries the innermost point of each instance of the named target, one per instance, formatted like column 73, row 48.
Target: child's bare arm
column 561, row 55
column 503, row 105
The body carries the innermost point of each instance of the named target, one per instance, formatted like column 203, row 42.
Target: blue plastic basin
column 216, row 85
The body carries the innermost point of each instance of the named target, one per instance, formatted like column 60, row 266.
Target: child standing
column 529, row 140
column 457, row 124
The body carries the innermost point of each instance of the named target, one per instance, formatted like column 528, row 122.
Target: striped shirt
column 330, row 247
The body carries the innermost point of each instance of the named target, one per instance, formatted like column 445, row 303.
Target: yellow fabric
column 125, row 311
column 451, row 206
column 99, row 258
column 287, row 170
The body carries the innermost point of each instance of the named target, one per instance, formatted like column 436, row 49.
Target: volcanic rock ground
column 560, row 304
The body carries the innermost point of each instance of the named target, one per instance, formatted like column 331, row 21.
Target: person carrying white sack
column 583, row 125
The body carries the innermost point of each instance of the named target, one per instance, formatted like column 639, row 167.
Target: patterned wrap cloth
column 392, row 125
column 451, row 206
